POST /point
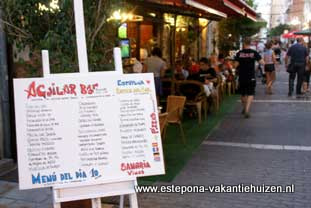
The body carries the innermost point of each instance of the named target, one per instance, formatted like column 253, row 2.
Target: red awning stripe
column 251, row 13
column 241, row 10
column 233, row 7
column 205, row 8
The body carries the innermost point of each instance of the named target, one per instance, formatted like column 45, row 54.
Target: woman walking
column 270, row 61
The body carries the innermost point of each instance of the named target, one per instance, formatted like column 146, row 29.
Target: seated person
column 226, row 71
column 208, row 76
column 223, row 72
column 194, row 69
column 180, row 72
column 228, row 68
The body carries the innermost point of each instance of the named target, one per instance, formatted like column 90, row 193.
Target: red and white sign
column 86, row 130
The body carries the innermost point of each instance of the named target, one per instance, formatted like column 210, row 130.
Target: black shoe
column 247, row 115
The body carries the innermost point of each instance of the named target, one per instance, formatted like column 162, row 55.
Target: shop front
column 177, row 28
column 181, row 28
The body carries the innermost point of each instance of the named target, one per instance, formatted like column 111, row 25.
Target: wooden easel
column 92, row 192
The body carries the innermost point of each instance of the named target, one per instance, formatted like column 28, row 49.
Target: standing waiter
column 298, row 61
column 246, row 59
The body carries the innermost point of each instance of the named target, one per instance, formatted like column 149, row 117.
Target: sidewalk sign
column 66, row 142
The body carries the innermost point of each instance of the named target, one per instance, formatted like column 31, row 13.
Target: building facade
column 278, row 13
column 299, row 14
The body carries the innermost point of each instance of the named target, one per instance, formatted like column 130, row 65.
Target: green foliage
column 54, row 30
column 251, row 3
column 232, row 29
column 279, row 30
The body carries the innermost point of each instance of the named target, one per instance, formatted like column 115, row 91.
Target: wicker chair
column 174, row 109
column 216, row 98
column 163, row 123
column 195, row 94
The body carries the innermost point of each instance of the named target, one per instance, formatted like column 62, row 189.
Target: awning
column 291, row 34
column 181, row 8
column 210, row 9
column 306, row 32
column 246, row 10
column 231, row 8
column 205, row 7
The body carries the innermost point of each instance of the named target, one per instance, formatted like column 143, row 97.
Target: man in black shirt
column 207, row 73
column 298, row 59
column 246, row 59
column 208, row 76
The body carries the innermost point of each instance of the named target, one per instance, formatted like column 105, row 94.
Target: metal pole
column 4, row 96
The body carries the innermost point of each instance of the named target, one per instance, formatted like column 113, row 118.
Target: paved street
column 273, row 147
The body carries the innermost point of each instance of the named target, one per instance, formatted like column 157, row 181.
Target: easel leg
column 133, row 201
column 56, row 205
column 121, row 201
column 96, row 203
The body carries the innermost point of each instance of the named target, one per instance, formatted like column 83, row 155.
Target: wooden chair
column 229, row 88
column 195, row 94
column 163, row 123
column 222, row 88
column 216, row 98
column 174, row 109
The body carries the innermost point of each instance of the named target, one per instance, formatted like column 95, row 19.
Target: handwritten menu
column 41, row 138
column 86, row 130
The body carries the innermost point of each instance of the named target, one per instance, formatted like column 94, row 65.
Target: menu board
column 86, row 130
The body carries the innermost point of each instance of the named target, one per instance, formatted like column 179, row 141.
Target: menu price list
column 133, row 129
column 92, row 136
column 41, row 138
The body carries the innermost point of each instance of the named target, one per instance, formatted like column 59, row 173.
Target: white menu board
column 86, row 130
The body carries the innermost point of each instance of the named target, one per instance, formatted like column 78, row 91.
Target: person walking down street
column 306, row 77
column 296, row 60
column 277, row 51
column 156, row 65
column 270, row 61
column 245, row 60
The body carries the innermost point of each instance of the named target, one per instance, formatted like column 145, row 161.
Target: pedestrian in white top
column 270, row 61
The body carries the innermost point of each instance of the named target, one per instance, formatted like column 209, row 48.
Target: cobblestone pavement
column 277, row 122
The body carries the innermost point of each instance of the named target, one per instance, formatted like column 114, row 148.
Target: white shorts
column 209, row 89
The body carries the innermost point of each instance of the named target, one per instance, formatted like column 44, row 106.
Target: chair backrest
column 192, row 90
column 175, row 102
column 219, row 80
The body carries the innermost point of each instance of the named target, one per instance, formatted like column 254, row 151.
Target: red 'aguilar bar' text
column 42, row 90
